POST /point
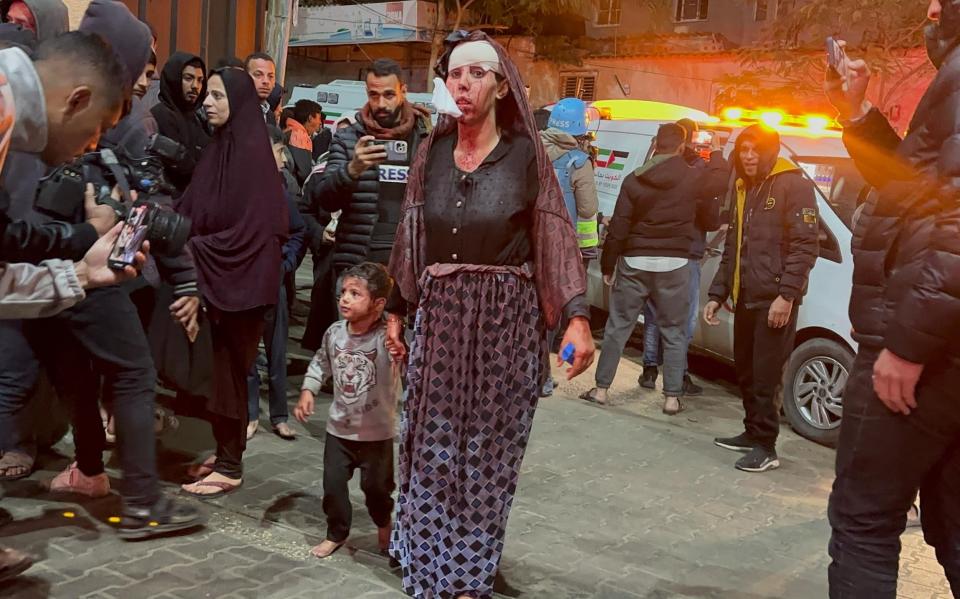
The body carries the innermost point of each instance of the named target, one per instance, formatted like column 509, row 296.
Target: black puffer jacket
column 906, row 245
column 336, row 190
column 780, row 241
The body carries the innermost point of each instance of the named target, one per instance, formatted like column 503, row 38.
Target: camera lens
column 168, row 231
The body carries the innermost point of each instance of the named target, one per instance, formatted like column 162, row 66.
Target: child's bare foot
column 326, row 548
column 383, row 538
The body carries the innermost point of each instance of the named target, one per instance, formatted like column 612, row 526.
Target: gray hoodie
column 23, row 167
column 51, row 16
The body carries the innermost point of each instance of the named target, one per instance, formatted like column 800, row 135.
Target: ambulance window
column 839, row 181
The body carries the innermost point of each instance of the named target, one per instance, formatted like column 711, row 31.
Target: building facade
column 211, row 29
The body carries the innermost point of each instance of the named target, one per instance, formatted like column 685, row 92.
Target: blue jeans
column 652, row 347
column 275, row 343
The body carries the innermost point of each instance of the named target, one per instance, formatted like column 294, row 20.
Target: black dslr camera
column 61, row 193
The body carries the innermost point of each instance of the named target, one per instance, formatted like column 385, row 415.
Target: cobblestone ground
column 613, row 502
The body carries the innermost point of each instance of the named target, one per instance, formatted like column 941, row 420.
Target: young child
column 360, row 427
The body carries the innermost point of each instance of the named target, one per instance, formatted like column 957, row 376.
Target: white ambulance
column 818, row 368
column 341, row 98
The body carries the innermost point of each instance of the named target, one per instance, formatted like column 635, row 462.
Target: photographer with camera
column 104, row 336
column 86, row 99
column 182, row 89
column 171, row 263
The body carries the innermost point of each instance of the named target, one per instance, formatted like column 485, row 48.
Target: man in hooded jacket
column 771, row 246
column 183, row 87
column 901, row 417
column 45, row 18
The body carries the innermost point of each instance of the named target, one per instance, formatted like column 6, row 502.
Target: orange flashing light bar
column 810, row 125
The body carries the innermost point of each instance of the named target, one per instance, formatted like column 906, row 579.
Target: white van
column 818, row 368
column 342, row 98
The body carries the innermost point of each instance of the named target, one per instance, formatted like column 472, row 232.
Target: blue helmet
column 570, row 115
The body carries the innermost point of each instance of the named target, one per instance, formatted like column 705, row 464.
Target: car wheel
column 813, row 385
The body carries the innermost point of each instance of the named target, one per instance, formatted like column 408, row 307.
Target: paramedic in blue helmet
column 567, row 142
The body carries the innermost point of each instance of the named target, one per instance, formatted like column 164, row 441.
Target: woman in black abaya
column 239, row 213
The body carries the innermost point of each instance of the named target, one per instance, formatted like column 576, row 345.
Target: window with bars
column 608, row 12
column 762, row 9
column 579, row 85
column 692, row 10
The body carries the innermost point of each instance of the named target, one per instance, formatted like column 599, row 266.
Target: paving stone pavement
column 616, row 502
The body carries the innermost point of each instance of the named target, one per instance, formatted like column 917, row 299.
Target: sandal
column 671, row 411
column 225, row 488
column 197, row 472
column 15, row 460
column 913, row 521
column 284, row 431
column 589, row 396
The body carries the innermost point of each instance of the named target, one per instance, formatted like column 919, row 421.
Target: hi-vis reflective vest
column 588, row 234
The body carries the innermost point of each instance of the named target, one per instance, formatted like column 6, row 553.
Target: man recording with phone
column 366, row 174
column 901, row 417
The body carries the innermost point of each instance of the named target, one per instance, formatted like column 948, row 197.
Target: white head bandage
column 480, row 54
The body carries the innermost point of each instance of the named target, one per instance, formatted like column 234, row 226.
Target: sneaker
column 738, row 443
column 759, row 459
column 648, row 380
column 691, row 389
column 548, row 388
column 72, row 480
column 164, row 517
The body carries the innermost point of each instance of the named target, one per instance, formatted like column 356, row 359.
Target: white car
column 823, row 355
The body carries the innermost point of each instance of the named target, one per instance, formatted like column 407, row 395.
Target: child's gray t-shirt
column 365, row 384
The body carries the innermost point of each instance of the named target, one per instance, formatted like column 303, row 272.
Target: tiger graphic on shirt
column 355, row 373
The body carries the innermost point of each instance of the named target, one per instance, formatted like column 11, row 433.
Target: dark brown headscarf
column 238, row 207
column 558, row 270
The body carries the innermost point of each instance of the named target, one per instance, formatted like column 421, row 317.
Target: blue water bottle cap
column 567, row 354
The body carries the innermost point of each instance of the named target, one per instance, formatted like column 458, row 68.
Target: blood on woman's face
column 476, row 91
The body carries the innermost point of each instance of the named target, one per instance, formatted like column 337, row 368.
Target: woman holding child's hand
column 487, row 257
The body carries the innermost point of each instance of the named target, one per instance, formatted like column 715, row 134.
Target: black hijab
column 237, row 205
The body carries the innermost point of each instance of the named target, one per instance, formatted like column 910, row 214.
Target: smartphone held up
column 837, row 59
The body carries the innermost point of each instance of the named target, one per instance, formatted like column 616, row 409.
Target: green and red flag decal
column 612, row 159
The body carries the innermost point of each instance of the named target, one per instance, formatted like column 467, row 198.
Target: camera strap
column 110, row 160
